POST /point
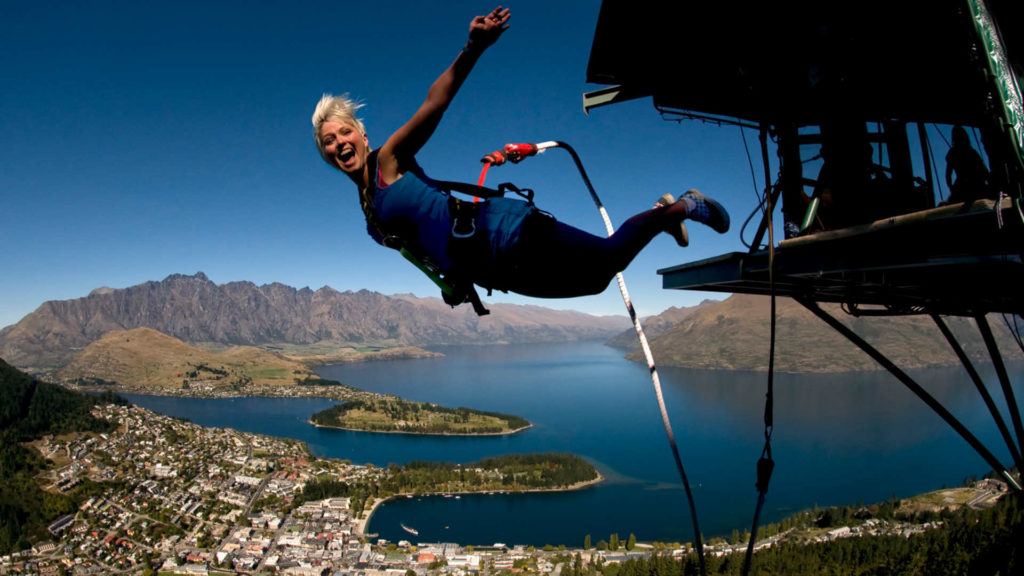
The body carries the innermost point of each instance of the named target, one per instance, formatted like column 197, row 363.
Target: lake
column 838, row 439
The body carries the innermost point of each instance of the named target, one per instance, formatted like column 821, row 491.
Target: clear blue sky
column 143, row 139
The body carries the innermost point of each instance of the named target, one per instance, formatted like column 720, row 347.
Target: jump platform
column 961, row 259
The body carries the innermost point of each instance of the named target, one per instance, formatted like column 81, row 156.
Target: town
column 175, row 497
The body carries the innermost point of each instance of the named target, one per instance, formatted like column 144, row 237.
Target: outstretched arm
column 396, row 154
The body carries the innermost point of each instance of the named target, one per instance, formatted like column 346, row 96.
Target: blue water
column 838, row 439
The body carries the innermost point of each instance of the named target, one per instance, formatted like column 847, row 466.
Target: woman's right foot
column 706, row 211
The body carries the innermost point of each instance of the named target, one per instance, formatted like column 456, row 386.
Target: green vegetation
column 270, row 373
column 969, row 542
column 386, row 414
column 502, row 473
column 91, row 382
column 30, row 409
column 204, row 368
column 322, row 488
column 315, row 381
column 966, row 541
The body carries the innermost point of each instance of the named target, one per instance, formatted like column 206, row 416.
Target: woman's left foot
column 706, row 211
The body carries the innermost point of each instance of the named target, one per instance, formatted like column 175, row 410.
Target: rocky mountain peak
column 196, row 310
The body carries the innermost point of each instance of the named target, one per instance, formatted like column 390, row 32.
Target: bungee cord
column 516, row 153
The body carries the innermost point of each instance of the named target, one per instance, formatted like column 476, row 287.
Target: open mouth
column 346, row 154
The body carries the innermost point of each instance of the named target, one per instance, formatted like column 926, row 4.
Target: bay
column 838, row 439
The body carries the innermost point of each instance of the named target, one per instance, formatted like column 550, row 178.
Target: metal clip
column 457, row 234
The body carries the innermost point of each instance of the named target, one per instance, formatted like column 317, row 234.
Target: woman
column 514, row 246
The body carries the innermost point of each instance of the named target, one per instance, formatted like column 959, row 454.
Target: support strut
column 982, row 390
column 914, row 387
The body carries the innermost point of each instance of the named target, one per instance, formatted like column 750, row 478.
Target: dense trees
column 509, row 472
column 29, row 409
column 323, row 488
column 969, row 542
column 316, row 381
column 515, row 471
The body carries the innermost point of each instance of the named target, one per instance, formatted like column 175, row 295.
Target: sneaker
column 708, row 211
column 791, row 230
column 676, row 231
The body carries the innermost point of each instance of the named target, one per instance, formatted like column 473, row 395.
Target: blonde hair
column 338, row 109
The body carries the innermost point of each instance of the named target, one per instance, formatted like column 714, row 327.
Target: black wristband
column 472, row 47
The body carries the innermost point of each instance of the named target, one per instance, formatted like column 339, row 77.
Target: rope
column 515, row 153
column 483, row 174
column 647, row 354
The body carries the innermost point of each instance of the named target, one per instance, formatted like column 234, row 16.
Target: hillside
column 656, row 325
column 734, row 335
column 199, row 312
column 30, row 409
column 146, row 361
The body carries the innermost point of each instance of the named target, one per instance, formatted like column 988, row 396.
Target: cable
column 765, row 464
column 762, row 201
column 753, row 175
column 939, row 178
column 746, row 223
column 1015, row 330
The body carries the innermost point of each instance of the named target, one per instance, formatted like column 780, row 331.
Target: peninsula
column 144, row 361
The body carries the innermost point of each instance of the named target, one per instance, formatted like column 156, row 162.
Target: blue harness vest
column 455, row 242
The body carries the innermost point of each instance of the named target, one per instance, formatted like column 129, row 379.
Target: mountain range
column 734, row 334
column 337, row 326
column 197, row 311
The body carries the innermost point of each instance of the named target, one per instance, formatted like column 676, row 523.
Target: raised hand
column 485, row 30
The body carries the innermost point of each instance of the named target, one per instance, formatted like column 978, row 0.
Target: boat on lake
column 412, row 531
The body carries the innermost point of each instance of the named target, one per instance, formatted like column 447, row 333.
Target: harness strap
column 463, row 218
column 463, row 248
column 456, row 288
column 470, row 189
column 484, row 192
column 366, row 195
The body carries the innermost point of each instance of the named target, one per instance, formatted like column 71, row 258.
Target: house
column 841, row 532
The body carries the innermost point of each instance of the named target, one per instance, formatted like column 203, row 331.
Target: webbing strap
column 455, row 289
column 477, row 191
column 470, row 189
column 463, row 247
column 367, row 203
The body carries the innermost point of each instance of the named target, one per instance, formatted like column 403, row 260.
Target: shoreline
column 334, row 398
column 412, row 433
column 359, row 526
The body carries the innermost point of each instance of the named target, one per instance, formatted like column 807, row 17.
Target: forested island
column 389, row 414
